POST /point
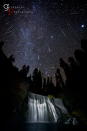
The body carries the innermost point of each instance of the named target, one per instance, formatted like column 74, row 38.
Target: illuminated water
column 43, row 114
column 41, row 109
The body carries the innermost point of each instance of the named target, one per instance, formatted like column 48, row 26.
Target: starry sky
column 40, row 32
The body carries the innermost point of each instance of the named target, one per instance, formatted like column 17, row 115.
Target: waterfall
column 43, row 109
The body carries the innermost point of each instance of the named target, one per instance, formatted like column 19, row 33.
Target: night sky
column 40, row 32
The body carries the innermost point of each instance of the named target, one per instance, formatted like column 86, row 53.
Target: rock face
column 42, row 109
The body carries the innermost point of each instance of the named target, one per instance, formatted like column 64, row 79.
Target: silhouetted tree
column 48, row 81
column 11, row 59
column 39, row 80
column 76, row 80
column 59, row 79
column 65, row 67
column 84, row 45
column 74, row 69
column 44, row 86
column 1, row 44
column 11, row 94
column 80, row 57
column 24, row 71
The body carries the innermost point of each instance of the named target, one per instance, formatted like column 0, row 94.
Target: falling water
column 43, row 109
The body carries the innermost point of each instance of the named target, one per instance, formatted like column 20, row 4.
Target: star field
column 51, row 30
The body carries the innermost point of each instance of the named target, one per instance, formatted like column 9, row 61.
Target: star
column 38, row 57
column 49, row 50
column 40, row 38
column 51, row 36
column 82, row 26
